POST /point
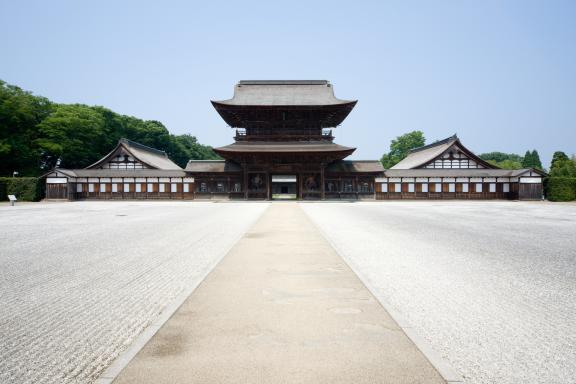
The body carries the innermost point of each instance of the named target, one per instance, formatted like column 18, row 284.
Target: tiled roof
column 122, row 172
column 283, row 93
column 421, row 156
column 460, row 172
column 284, row 147
column 352, row 166
column 153, row 158
column 212, row 166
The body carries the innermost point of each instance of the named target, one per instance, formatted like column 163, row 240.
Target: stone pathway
column 282, row 307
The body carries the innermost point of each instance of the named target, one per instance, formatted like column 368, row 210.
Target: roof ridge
column 206, row 160
column 435, row 144
column 142, row 146
column 283, row 82
column 371, row 161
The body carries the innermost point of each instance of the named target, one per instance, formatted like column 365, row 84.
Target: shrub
column 24, row 188
column 561, row 188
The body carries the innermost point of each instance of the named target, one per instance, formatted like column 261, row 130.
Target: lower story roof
column 351, row 166
column 122, row 172
column 212, row 166
column 283, row 147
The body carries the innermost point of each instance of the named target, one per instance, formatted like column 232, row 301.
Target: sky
column 499, row 73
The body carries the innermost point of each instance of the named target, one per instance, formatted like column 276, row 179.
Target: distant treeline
column 37, row 134
column 513, row 161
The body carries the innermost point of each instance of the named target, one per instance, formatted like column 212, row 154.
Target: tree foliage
column 36, row 134
column 561, row 188
column 503, row 160
column 24, row 188
column 400, row 146
column 20, row 113
column 532, row 160
column 562, row 165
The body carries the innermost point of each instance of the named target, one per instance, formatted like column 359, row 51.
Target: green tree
column 527, row 161
column 537, row 163
column 507, row 164
column 498, row 157
column 503, row 160
column 36, row 135
column 400, row 147
column 20, row 113
column 556, row 157
column 69, row 137
column 562, row 166
column 532, row 160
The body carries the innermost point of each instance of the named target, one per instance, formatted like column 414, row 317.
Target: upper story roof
column 284, row 93
column 149, row 157
column 284, row 104
column 449, row 148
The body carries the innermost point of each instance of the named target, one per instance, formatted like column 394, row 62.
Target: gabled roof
column 283, row 93
column 421, row 156
column 212, row 166
column 151, row 157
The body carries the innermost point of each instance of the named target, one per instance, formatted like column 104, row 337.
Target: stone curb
column 125, row 357
column 445, row 370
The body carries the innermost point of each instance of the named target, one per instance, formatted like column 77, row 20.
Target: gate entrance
column 284, row 187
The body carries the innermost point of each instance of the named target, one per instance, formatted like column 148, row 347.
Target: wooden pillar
column 268, row 186
column 322, row 184
column 300, row 186
column 356, row 186
column 244, row 168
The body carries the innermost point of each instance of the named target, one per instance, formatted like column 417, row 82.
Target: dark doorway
column 284, row 187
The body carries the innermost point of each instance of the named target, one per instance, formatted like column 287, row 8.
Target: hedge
column 24, row 188
column 561, row 188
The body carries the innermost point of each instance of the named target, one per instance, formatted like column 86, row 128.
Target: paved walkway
column 282, row 307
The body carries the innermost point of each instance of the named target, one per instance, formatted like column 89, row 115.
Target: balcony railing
column 284, row 136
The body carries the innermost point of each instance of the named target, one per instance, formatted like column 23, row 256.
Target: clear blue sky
column 501, row 74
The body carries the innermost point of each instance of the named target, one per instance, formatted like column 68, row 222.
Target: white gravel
column 79, row 281
column 491, row 285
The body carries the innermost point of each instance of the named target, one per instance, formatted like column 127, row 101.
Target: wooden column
column 268, row 186
column 300, row 186
column 322, row 194
column 244, row 168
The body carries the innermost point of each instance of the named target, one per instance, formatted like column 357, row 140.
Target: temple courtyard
column 371, row 292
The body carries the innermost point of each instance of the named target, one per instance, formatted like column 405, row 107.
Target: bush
column 24, row 188
column 561, row 188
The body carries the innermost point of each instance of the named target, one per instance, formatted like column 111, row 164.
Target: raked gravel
column 490, row 285
column 79, row 281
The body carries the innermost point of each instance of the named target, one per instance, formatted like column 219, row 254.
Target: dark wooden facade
column 284, row 146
